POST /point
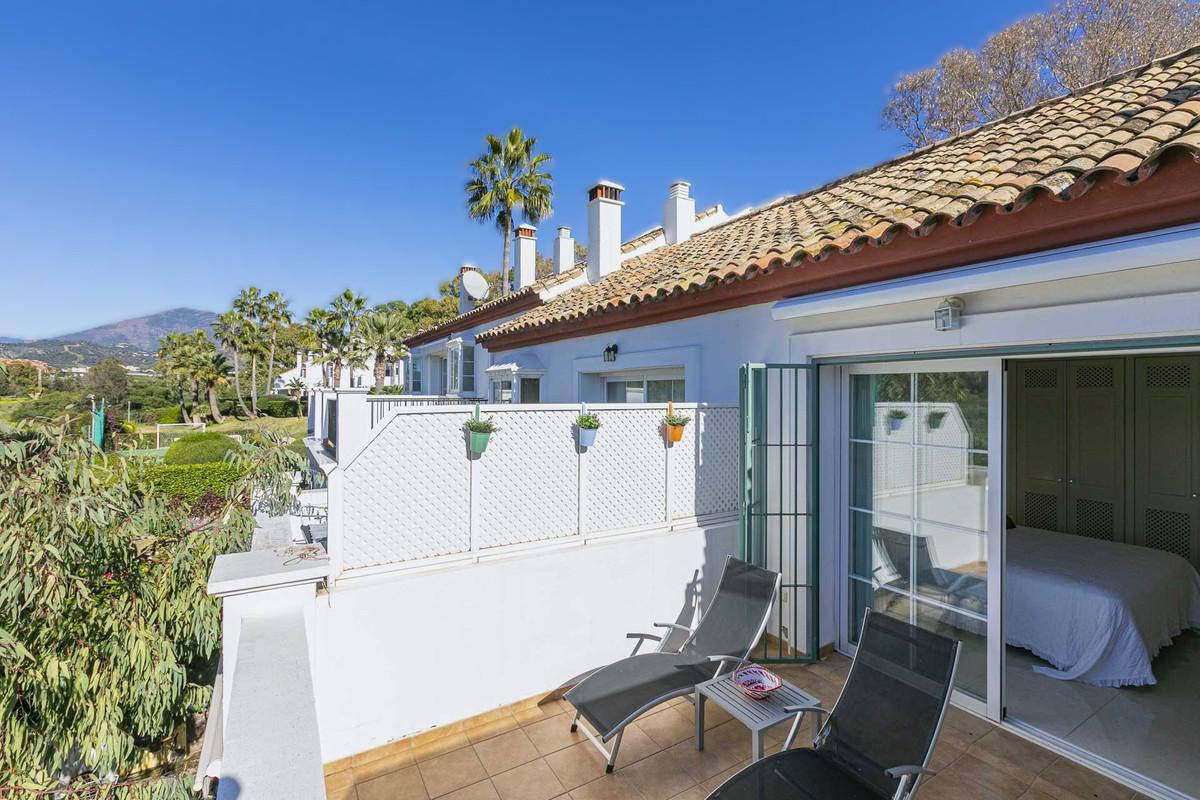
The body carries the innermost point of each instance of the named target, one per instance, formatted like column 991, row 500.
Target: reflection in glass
column 971, row 676
column 880, row 549
column 952, row 487
column 881, row 407
column 951, row 567
column 951, row 409
column 881, row 477
column 862, row 597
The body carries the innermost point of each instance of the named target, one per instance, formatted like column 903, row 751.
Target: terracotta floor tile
column 659, row 777
column 506, row 751
column 1018, row 757
column 669, row 726
column 340, row 786
column 532, row 781
column 576, row 765
column 694, row 793
column 476, row 791
column 552, row 734
column 1065, row 774
column 985, row 776
column 713, row 783
column 615, row 786
column 398, row 759
column 405, row 784
column 452, row 771
column 635, row 745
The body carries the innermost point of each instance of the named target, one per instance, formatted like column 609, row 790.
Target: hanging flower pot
column 896, row 418
column 479, row 431
column 587, row 425
column 935, row 419
column 675, row 424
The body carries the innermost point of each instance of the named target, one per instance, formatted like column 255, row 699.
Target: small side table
column 757, row 715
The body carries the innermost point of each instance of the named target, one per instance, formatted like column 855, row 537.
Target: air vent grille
column 1175, row 375
column 1094, row 519
column 1041, row 511
column 1094, row 377
column 1170, row 531
column 1041, row 378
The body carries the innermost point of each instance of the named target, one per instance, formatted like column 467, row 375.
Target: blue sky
column 154, row 154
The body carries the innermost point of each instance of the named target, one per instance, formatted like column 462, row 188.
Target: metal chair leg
column 575, row 722
column 612, row 758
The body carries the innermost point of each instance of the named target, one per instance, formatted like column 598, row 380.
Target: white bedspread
column 1098, row 611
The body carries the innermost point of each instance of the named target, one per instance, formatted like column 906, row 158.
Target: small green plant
column 898, row 414
column 481, row 425
column 676, row 420
column 587, row 422
column 935, row 419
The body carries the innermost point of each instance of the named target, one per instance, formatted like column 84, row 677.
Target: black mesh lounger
column 613, row 696
column 877, row 740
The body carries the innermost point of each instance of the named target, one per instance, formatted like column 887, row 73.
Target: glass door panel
column 919, row 507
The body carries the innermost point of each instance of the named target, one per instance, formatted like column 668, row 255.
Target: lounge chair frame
column 577, row 723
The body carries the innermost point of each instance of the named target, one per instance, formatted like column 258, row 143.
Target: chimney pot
column 604, row 229
column 679, row 213
column 564, row 251
column 526, row 272
column 465, row 302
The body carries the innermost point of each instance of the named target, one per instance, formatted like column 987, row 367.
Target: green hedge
column 190, row 482
column 200, row 448
column 277, row 406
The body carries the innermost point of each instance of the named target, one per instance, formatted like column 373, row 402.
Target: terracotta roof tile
column 1121, row 124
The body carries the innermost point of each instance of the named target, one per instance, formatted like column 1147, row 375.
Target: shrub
column 191, row 482
column 588, row 421
column 51, row 404
column 167, row 415
column 482, row 425
column 393, row 389
column 200, row 448
column 278, row 407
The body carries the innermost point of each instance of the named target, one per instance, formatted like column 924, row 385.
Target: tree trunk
column 380, row 369
column 271, row 367
column 237, row 381
column 504, row 261
column 254, row 384
column 337, row 374
column 213, row 408
column 183, row 412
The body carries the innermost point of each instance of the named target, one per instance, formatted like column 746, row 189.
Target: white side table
column 757, row 715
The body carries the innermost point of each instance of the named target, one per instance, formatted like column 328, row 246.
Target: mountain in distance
column 10, row 340
column 143, row 333
column 132, row 341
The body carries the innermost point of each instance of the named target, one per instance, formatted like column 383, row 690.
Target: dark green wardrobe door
column 1096, row 448
column 1041, row 445
column 1167, row 451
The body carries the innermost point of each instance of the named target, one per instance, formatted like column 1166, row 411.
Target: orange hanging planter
column 675, row 423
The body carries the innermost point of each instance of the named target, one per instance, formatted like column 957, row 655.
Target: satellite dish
column 475, row 285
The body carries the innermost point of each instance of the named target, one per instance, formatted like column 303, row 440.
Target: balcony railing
column 382, row 404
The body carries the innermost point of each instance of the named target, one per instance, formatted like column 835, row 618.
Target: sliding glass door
column 922, row 511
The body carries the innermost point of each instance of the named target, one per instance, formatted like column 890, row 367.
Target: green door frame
column 758, row 404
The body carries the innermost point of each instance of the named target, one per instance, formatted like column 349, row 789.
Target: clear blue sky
column 157, row 154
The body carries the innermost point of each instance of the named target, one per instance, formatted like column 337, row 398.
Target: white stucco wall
column 400, row 653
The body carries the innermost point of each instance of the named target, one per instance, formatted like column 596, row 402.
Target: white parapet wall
column 405, row 651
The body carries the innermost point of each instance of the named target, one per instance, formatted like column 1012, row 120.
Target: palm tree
column 212, row 369
column 509, row 177
column 278, row 316
column 226, row 328
column 296, row 388
column 342, row 351
column 320, row 322
column 172, row 365
column 382, row 334
column 250, row 306
column 346, row 311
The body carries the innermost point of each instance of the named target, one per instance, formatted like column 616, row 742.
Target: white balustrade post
column 581, row 476
column 353, row 422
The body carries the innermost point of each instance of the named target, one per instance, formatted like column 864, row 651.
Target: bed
column 1098, row 611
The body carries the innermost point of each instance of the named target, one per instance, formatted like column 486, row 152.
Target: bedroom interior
column 1102, row 594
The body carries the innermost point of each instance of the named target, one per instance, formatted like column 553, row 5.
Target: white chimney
column 564, row 251
column 604, row 229
column 679, row 213
column 465, row 302
column 299, row 359
column 525, row 270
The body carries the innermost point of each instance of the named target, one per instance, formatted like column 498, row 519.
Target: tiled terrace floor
column 531, row 754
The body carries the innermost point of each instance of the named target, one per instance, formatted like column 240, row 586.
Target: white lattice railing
column 415, row 491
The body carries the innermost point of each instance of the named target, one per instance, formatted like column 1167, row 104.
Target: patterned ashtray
column 756, row 682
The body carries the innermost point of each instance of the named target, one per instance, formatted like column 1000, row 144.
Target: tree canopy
column 1073, row 44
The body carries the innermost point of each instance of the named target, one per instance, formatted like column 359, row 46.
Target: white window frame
column 645, row 376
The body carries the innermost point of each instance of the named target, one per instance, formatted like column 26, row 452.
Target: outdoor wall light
column 948, row 315
column 610, row 353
